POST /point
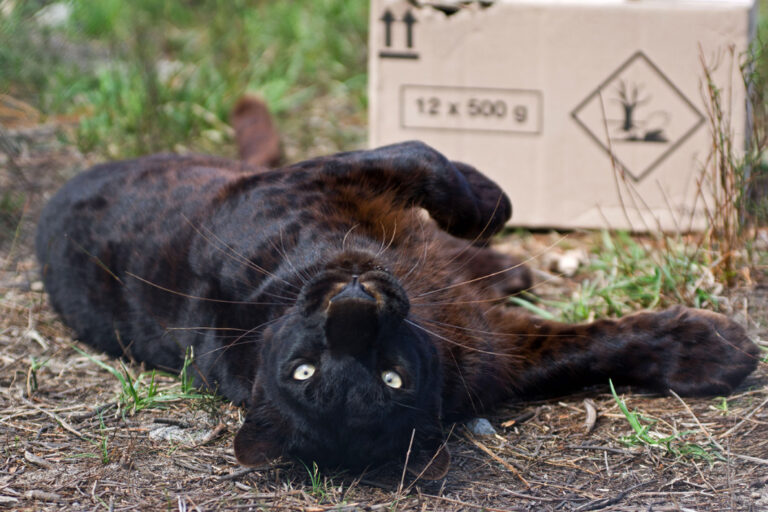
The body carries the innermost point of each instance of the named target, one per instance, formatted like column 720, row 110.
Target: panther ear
column 260, row 439
column 431, row 464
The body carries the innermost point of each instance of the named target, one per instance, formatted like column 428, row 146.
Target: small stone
column 54, row 15
column 42, row 495
column 480, row 427
column 570, row 261
column 36, row 286
column 176, row 434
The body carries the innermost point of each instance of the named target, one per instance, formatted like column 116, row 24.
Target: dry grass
column 65, row 444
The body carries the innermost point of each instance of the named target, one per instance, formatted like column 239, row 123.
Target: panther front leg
column 459, row 198
column 692, row 352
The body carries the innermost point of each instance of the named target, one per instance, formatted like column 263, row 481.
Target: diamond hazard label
column 638, row 116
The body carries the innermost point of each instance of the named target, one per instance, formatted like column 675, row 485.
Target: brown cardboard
column 526, row 91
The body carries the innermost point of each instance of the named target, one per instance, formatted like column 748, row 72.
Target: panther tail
column 258, row 142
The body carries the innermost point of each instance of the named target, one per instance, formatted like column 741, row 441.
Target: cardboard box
column 589, row 114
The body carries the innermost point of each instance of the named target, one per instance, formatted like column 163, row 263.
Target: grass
column 34, row 367
column 104, row 440
column 143, row 391
column 317, row 481
column 674, row 444
column 162, row 75
column 626, row 274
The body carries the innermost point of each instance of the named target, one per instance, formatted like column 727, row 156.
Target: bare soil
column 68, row 443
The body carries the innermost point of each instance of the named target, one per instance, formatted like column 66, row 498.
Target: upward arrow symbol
column 409, row 20
column 388, row 18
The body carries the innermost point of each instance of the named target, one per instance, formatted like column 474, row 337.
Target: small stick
column 744, row 420
column 606, row 502
column 210, row 436
column 39, row 461
column 519, row 419
column 465, row 504
column 706, row 432
column 61, row 421
column 405, row 466
column 242, row 472
column 749, row 458
column 498, row 459
column 601, row 448
column 172, row 421
column 77, row 418
column 42, row 495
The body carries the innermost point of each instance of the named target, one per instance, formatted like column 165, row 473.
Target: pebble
column 570, row 261
column 480, row 427
column 177, row 434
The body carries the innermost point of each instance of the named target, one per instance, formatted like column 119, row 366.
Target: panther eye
column 392, row 379
column 304, row 371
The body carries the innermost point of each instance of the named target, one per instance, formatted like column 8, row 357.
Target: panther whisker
column 498, row 299
column 456, row 343
column 207, row 299
column 422, row 254
column 304, row 279
column 204, row 328
column 502, row 271
column 392, row 239
column 232, row 252
column 478, row 237
column 242, row 339
column 489, row 333
column 349, row 231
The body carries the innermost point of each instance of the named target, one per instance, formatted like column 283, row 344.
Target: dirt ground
column 67, row 443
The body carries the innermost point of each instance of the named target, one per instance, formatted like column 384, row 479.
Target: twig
column 210, row 436
column 172, row 421
column 405, row 466
column 749, row 458
column 471, row 505
column 706, row 432
column 431, row 460
column 601, row 448
column 237, row 474
column 744, row 420
column 192, row 467
column 39, row 461
column 498, row 459
column 42, row 495
column 242, row 472
column 60, row 421
column 607, row 502
column 528, row 496
column 77, row 418
column 519, row 419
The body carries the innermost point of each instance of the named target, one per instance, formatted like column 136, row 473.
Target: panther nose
column 352, row 324
column 354, row 290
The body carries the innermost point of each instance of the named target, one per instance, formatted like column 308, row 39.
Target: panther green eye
column 304, row 371
column 392, row 379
